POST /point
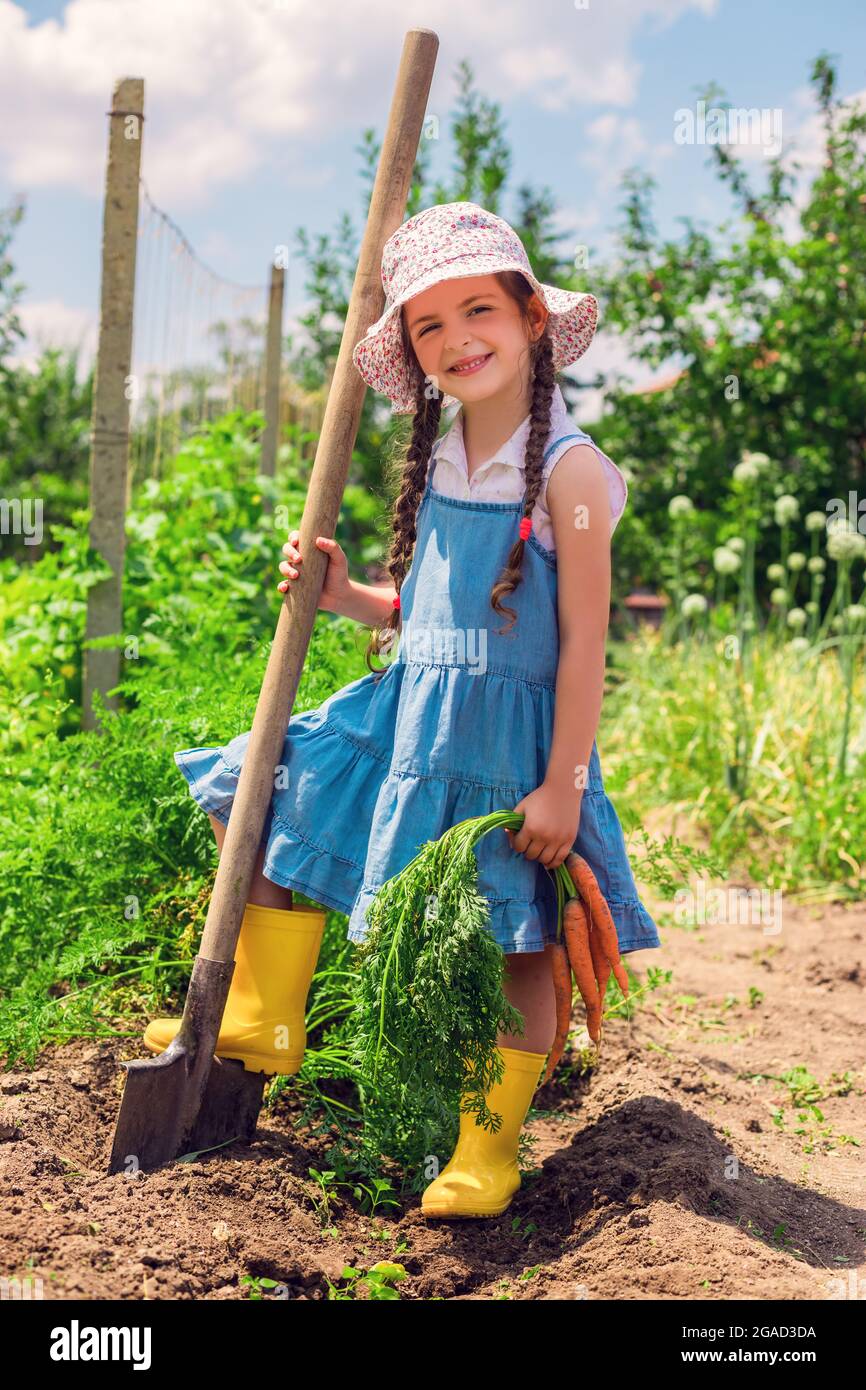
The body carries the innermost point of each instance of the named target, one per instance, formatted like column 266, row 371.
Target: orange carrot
column 586, row 884
column 600, row 963
column 575, row 928
column 562, row 993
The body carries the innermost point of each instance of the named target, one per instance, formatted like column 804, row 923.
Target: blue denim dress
column 459, row 724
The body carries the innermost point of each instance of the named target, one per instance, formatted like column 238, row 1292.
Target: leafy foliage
column 430, row 1003
column 767, row 329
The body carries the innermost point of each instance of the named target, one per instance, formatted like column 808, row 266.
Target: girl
column 513, row 502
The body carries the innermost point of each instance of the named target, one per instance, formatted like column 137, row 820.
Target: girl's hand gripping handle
column 336, row 586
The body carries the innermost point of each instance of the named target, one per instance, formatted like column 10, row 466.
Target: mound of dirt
column 693, row 1161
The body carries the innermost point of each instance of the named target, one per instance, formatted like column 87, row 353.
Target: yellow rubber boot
column 264, row 1020
column 482, row 1175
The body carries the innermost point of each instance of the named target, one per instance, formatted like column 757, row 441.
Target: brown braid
column 425, row 427
column 543, row 383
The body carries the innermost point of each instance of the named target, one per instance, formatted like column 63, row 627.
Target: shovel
column 187, row 1099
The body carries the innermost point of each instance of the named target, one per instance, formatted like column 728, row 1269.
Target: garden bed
column 635, row 1193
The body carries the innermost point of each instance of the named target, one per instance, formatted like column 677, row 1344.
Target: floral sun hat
column 448, row 242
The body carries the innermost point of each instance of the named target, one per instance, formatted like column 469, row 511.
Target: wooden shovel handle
column 322, row 507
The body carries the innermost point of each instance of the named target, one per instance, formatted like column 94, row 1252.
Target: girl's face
column 474, row 326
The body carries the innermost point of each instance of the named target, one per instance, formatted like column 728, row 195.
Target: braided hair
column 425, row 428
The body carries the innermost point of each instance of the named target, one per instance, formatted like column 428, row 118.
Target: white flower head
column 786, row 509
column 796, row 618
column 796, row 560
column 726, row 561
column 680, row 505
column 758, row 461
column 844, row 544
column 692, row 605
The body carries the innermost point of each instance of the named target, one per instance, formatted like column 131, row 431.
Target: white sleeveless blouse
column 502, row 478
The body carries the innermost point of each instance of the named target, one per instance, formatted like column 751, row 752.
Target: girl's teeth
column 467, row 366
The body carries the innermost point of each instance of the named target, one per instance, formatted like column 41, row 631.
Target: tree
column 45, row 440
column 10, row 290
column 768, row 330
column 44, row 415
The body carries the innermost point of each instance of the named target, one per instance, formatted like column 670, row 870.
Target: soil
column 678, row 1167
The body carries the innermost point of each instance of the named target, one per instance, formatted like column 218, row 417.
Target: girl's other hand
column 549, row 829
column 336, row 584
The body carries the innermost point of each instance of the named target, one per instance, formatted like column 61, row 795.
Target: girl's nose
column 457, row 341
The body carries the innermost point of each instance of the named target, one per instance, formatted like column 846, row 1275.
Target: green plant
column 377, row 1282
column 256, row 1284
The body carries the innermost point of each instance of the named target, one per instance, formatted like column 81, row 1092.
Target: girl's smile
column 467, row 365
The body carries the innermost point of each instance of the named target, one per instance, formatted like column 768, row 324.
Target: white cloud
column 564, row 55
column 226, row 82
column 53, row 323
column 614, row 142
column 581, row 218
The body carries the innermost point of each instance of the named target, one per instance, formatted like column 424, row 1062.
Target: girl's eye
column 476, row 308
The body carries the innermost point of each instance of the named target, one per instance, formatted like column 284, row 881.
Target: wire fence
column 198, row 342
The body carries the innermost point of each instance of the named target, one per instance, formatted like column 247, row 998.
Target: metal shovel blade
column 186, row 1099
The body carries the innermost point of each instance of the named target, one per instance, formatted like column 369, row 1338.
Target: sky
column 254, row 110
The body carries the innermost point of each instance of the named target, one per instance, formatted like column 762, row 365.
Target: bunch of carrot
column 589, row 950
column 429, row 991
